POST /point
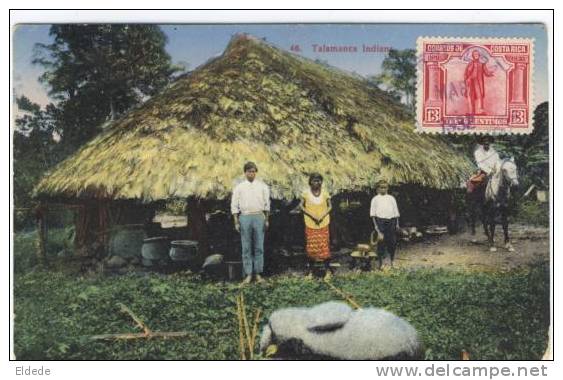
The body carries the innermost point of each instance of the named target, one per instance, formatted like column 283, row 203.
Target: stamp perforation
column 478, row 41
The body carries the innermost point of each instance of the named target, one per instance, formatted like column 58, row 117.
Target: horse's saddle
column 477, row 181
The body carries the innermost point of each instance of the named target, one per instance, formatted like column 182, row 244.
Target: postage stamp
column 475, row 85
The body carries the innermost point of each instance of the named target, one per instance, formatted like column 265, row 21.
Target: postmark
column 475, row 85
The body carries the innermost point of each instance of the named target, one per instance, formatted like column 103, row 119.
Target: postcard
column 293, row 191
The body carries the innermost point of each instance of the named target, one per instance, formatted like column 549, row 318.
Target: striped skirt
column 318, row 243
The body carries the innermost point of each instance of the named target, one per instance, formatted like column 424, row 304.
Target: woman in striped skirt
column 316, row 207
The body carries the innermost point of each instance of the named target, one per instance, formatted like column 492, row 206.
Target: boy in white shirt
column 385, row 215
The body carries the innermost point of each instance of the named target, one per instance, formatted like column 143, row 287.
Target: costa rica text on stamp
column 474, row 85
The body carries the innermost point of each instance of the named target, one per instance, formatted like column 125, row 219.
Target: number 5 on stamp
column 474, row 85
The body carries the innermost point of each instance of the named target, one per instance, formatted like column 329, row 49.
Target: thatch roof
column 256, row 102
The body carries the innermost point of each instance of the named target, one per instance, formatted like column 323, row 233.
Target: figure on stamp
column 474, row 77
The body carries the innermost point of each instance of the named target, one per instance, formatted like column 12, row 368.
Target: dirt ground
column 455, row 252
column 531, row 246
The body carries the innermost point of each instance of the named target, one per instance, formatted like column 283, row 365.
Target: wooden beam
column 41, row 233
column 197, row 225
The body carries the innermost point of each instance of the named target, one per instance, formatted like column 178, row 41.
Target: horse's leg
column 491, row 224
column 507, row 243
column 485, row 221
column 472, row 219
column 472, row 222
column 493, row 227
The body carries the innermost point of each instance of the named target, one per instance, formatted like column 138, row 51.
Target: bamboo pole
column 246, row 327
column 344, row 295
column 241, row 330
column 254, row 331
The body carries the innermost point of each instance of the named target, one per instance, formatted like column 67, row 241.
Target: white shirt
column 384, row 206
column 486, row 159
column 250, row 197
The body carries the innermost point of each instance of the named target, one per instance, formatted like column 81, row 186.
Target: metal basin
column 184, row 250
column 155, row 248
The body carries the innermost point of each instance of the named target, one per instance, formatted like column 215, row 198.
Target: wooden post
column 335, row 226
column 103, row 226
column 41, row 232
column 86, row 228
column 197, row 225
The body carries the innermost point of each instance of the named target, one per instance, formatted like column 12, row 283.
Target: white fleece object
column 368, row 333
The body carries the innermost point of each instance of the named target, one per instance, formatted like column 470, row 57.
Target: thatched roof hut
column 256, row 102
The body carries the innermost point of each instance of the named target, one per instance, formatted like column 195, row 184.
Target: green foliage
column 99, row 71
column 531, row 152
column 35, row 151
column 492, row 315
column 531, row 211
column 25, row 247
column 94, row 72
column 398, row 75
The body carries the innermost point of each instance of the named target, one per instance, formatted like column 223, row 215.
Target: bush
column 25, row 247
column 532, row 212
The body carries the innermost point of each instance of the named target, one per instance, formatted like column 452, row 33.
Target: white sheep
column 333, row 330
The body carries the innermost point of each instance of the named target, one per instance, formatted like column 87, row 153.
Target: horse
column 475, row 200
column 492, row 202
column 497, row 197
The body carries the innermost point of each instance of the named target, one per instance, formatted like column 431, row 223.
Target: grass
column 491, row 315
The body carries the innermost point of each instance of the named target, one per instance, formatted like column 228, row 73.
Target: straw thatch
column 255, row 102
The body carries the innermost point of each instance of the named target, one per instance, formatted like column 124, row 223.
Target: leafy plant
column 491, row 315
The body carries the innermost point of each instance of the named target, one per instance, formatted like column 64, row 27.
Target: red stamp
column 475, row 85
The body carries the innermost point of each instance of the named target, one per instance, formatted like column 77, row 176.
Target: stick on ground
column 255, row 330
column 137, row 320
column 146, row 334
column 246, row 327
column 344, row 295
column 241, row 330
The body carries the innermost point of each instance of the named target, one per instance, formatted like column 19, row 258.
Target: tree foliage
column 398, row 76
column 98, row 72
column 35, row 150
column 94, row 73
column 530, row 152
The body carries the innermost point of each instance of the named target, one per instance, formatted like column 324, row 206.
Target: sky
column 192, row 45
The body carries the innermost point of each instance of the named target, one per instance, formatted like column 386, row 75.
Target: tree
column 98, row 72
column 398, row 75
column 531, row 152
column 35, row 151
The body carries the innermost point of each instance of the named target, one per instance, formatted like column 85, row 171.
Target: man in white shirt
column 486, row 157
column 250, row 206
column 385, row 215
